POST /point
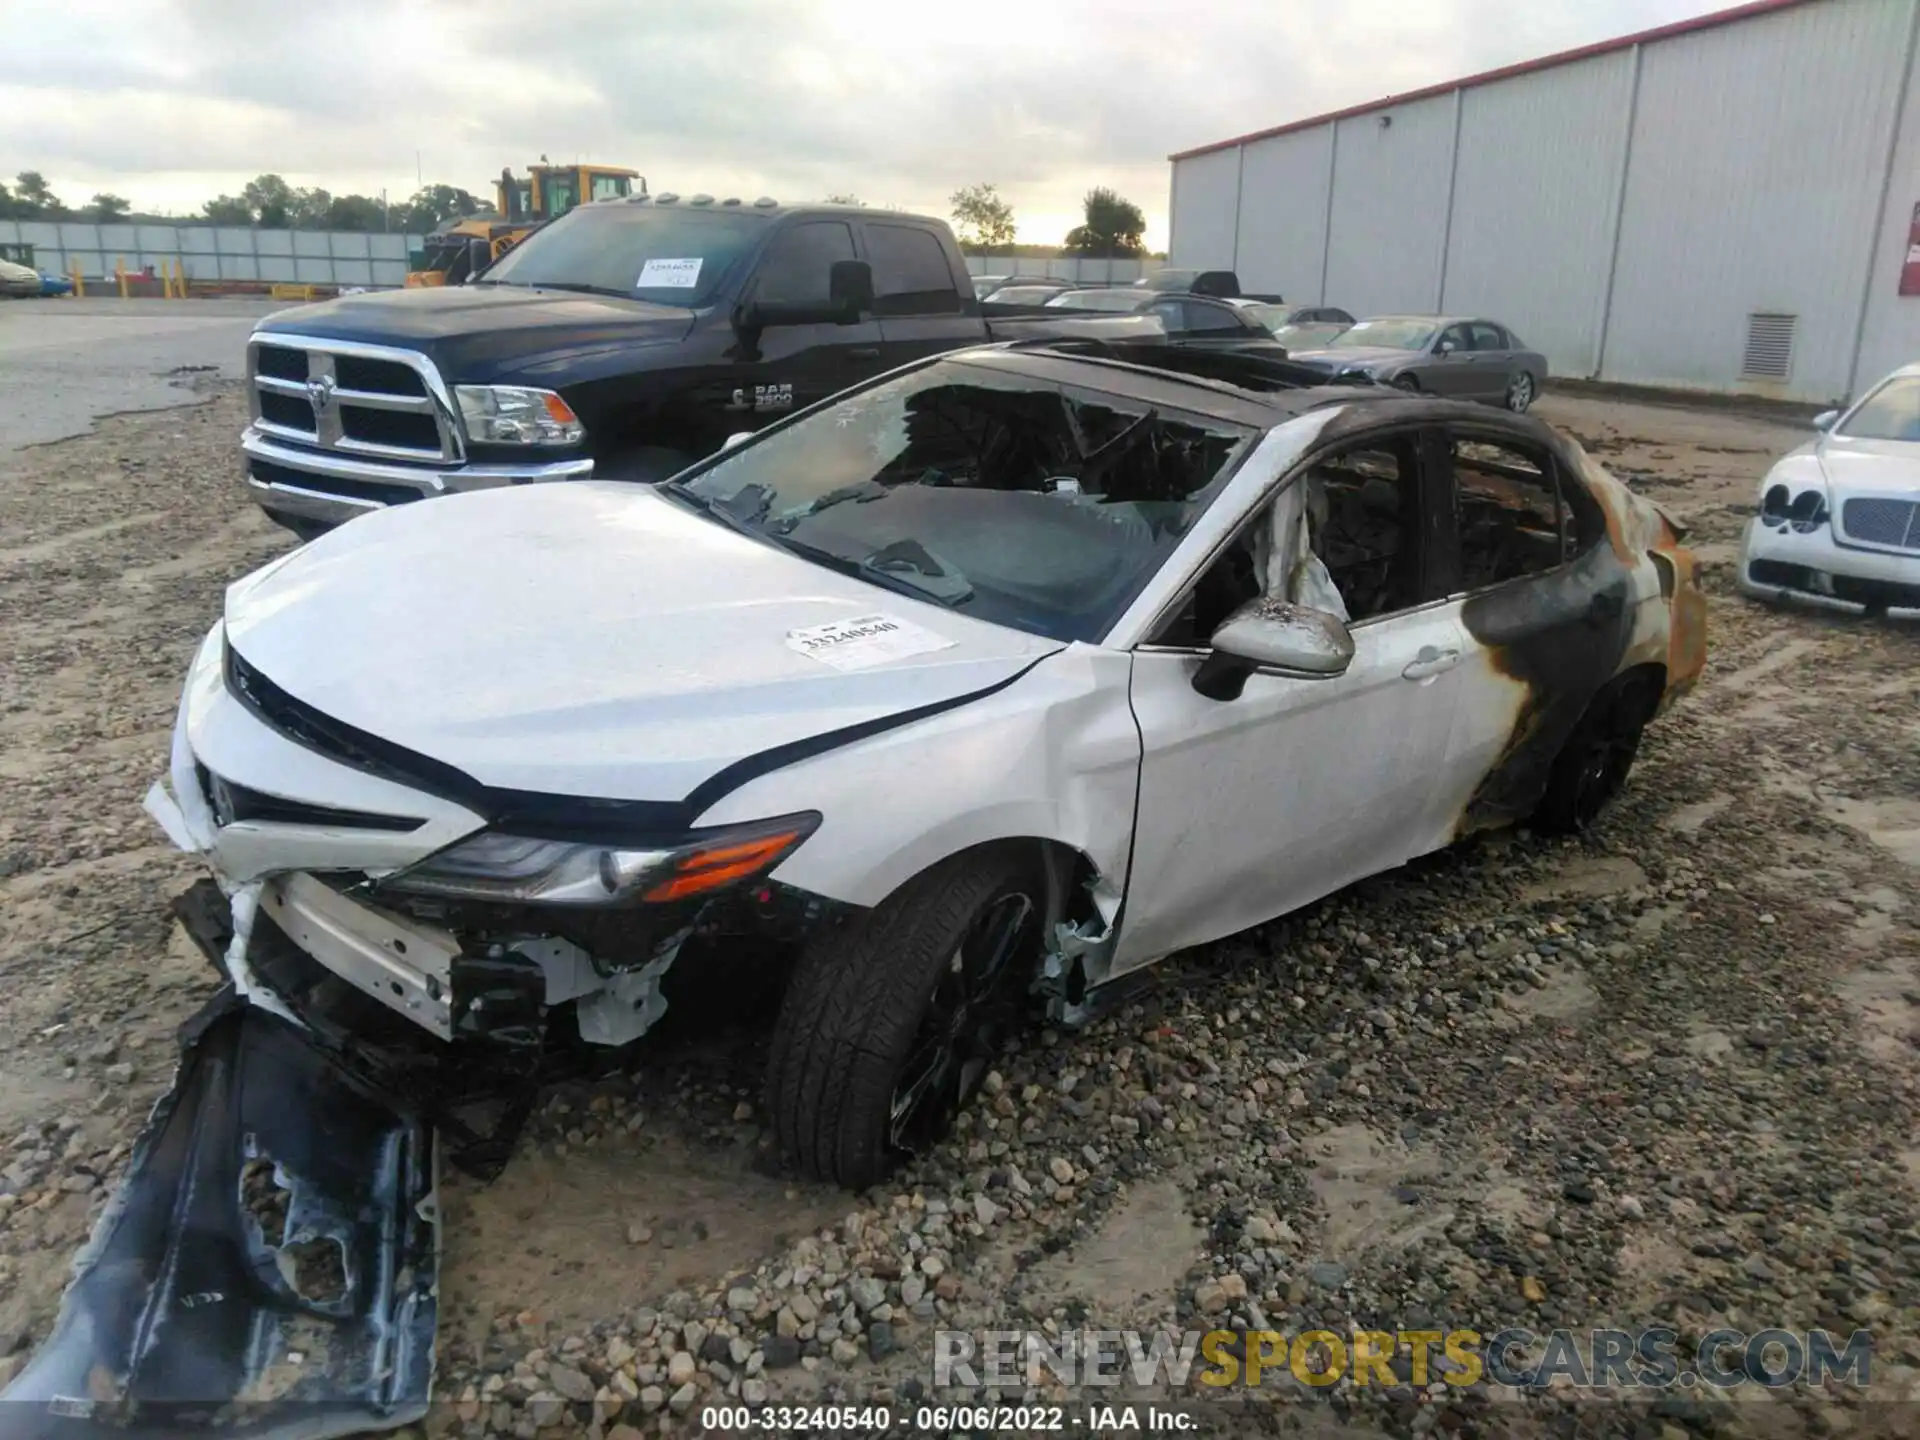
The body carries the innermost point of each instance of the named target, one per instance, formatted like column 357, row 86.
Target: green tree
column 434, row 205
column 354, row 212
column 309, row 209
column 35, row 199
column 985, row 219
column 227, row 210
column 1113, row 226
column 270, row 201
column 108, row 208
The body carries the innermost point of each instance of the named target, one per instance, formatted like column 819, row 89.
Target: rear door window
column 1509, row 515
column 910, row 272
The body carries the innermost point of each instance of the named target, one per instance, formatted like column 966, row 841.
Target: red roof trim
column 1525, row 67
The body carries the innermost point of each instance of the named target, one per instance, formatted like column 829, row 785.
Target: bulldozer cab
column 553, row 190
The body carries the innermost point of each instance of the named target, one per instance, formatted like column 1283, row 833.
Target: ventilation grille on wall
column 1769, row 353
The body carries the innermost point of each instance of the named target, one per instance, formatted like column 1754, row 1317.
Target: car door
column 1542, row 604
column 1448, row 368
column 1253, row 806
column 795, row 365
column 916, row 295
column 1492, row 361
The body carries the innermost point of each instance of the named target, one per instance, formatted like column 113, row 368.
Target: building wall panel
column 1533, row 194
column 1752, row 186
column 1203, row 210
column 1890, row 335
column 1282, row 235
column 1389, row 207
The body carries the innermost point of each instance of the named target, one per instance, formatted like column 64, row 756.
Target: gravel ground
column 1664, row 1076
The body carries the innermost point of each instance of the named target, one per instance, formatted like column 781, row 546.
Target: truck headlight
column 517, row 415
column 525, row 870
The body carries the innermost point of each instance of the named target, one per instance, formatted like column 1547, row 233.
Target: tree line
column 266, row 201
column 1111, row 224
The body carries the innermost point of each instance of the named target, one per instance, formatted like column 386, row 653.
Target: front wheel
column 893, row 1020
column 1406, row 382
column 1520, row 392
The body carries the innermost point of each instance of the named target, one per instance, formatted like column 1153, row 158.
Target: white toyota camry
column 984, row 685
column 1839, row 521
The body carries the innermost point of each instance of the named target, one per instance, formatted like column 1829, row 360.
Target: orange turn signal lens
column 697, row 871
column 560, row 410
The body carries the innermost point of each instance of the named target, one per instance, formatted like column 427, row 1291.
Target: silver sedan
column 1460, row 358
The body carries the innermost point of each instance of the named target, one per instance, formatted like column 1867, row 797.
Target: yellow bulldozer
column 521, row 203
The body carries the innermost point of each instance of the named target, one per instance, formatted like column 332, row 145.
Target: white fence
column 215, row 252
column 341, row 257
column 1077, row 268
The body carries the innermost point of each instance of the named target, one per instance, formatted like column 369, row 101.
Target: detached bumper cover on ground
column 269, row 1266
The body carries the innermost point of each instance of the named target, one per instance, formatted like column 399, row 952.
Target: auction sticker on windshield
column 669, row 274
column 864, row 640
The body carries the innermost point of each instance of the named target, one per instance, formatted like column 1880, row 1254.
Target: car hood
column 593, row 639
column 1869, row 467
column 485, row 332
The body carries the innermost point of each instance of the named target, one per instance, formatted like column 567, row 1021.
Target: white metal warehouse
column 1723, row 204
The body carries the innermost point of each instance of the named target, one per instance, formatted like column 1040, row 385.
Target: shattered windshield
column 668, row 257
column 1011, row 499
column 1890, row 413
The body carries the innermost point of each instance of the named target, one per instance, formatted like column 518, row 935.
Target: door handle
column 864, row 352
column 1431, row 661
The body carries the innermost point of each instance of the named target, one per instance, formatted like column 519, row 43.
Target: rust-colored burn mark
column 1687, row 626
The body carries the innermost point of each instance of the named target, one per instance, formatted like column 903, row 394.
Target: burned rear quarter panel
column 1630, row 601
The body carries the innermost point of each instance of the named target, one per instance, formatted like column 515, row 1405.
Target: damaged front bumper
column 1809, row 567
column 269, row 1266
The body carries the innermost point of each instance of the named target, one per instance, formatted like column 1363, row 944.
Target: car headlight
column 525, row 870
column 517, row 415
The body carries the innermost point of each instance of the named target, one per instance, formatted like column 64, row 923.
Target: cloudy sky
column 168, row 102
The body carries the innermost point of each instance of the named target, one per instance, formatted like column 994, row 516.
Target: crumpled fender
column 184, row 1313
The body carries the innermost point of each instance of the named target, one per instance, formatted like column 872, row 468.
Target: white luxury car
column 1002, row 676
column 1839, row 521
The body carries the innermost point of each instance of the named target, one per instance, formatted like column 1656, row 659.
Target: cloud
column 899, row 103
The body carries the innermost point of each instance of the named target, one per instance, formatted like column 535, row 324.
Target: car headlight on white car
column 527, row 870
column 517, row 415
column 1800, row 507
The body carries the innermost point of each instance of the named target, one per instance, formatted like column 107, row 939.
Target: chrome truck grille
column 352, row 399
column 1892, row 523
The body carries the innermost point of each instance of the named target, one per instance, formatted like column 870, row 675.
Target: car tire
column 1407, row 383
column 871, row 1059
column 643, row 465
column 1592, row 765
column 1520, row 392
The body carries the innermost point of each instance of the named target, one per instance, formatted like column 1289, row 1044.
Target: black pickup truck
column 623, row 341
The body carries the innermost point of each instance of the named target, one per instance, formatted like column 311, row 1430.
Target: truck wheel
column 1592, row 766
column 643, row 465
column 892, row 1021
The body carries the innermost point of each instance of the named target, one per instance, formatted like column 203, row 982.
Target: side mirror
column 739, row 437
column 1445, row 347
column 849, row 295
column 1273, row 635
column 1826, row 419
column 479, row 256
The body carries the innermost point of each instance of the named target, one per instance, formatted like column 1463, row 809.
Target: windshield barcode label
column 864, row 640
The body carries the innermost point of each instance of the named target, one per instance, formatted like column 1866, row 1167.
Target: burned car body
column 1013, row 671
column 1839, row 521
